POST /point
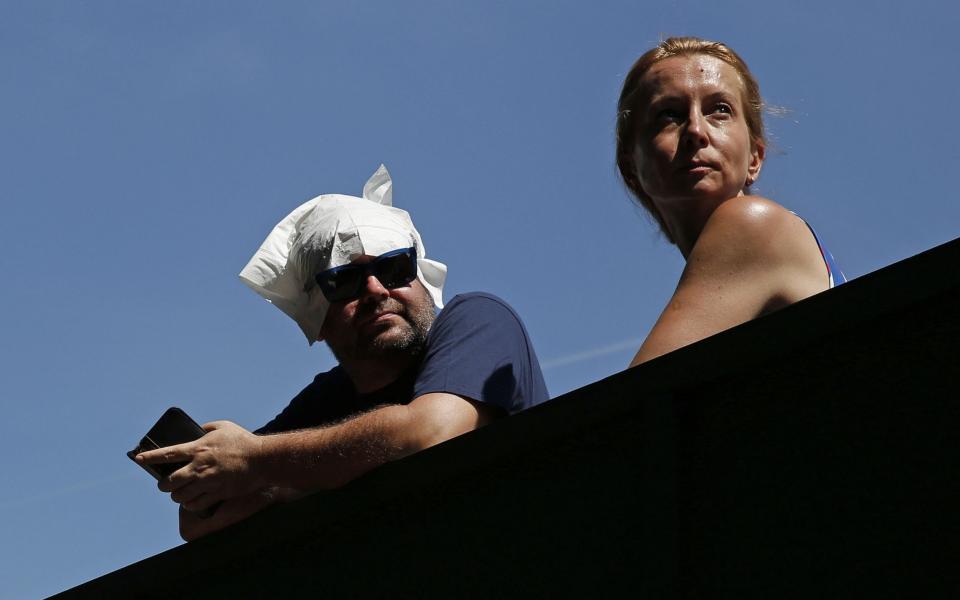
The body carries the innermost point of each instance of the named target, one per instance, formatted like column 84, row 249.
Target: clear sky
column 147, row 148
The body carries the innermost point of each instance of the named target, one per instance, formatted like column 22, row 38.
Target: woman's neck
column 686, row 221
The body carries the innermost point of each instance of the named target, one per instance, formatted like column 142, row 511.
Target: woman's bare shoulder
column 753, row 214
column 755, row 234
column 755, row 228
column 753, row 257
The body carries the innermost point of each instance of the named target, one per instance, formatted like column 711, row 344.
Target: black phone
column 174, row 427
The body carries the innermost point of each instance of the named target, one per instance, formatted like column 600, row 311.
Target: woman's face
column 693, row 142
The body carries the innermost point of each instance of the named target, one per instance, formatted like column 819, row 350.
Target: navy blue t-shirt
column 477, row 348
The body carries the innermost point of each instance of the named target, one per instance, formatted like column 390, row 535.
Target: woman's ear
column 756, row 162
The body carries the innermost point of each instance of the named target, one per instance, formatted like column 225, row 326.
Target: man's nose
column 372, row 288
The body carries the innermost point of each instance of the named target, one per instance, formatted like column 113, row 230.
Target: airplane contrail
column 592, row 353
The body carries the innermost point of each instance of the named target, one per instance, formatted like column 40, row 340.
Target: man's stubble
column 405, row 340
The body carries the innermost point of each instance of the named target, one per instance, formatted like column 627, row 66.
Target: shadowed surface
column 807, row 452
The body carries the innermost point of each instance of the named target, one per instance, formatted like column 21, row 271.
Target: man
column 353, row 272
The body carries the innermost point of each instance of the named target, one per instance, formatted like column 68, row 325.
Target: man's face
column 380, row 323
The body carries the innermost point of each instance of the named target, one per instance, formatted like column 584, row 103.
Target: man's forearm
column 328, row 457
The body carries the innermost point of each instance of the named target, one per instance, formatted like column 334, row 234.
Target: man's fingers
column 231, row 511
column 214, row 425
column 187, row 493
column 201, row 502
column 178, row 453
column 195, row 497
column 193, row 527
column 183, row 476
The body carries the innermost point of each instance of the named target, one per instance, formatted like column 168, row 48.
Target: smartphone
column 174, row 427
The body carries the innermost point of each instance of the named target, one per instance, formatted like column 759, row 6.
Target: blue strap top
column 833, row 270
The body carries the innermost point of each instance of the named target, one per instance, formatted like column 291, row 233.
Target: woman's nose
column 695, row 133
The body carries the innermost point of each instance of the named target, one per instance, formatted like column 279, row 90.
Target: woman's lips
column 697, row 168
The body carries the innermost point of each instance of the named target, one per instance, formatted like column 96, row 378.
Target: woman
column 690, row 143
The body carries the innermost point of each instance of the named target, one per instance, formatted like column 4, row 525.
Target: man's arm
column 230, row 462
column 329, row 457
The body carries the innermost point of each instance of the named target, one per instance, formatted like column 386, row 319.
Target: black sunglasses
column 394, row 269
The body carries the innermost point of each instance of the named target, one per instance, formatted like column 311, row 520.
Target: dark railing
column 809, row 453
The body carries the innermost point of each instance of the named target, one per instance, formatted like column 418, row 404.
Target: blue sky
column 147, row 148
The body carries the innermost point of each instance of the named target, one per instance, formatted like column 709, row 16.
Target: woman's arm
column 753, row 257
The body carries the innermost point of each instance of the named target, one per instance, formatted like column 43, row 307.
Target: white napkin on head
column 329, row 231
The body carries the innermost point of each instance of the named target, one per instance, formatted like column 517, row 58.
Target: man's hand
column 222, row 465
column 231, row 511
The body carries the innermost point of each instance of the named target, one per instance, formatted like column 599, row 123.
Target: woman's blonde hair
column 627, row 112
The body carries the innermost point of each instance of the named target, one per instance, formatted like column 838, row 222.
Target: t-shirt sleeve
column 479, row 349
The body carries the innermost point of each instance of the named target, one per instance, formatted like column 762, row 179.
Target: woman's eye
column 723, row 107
column 669, row 114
